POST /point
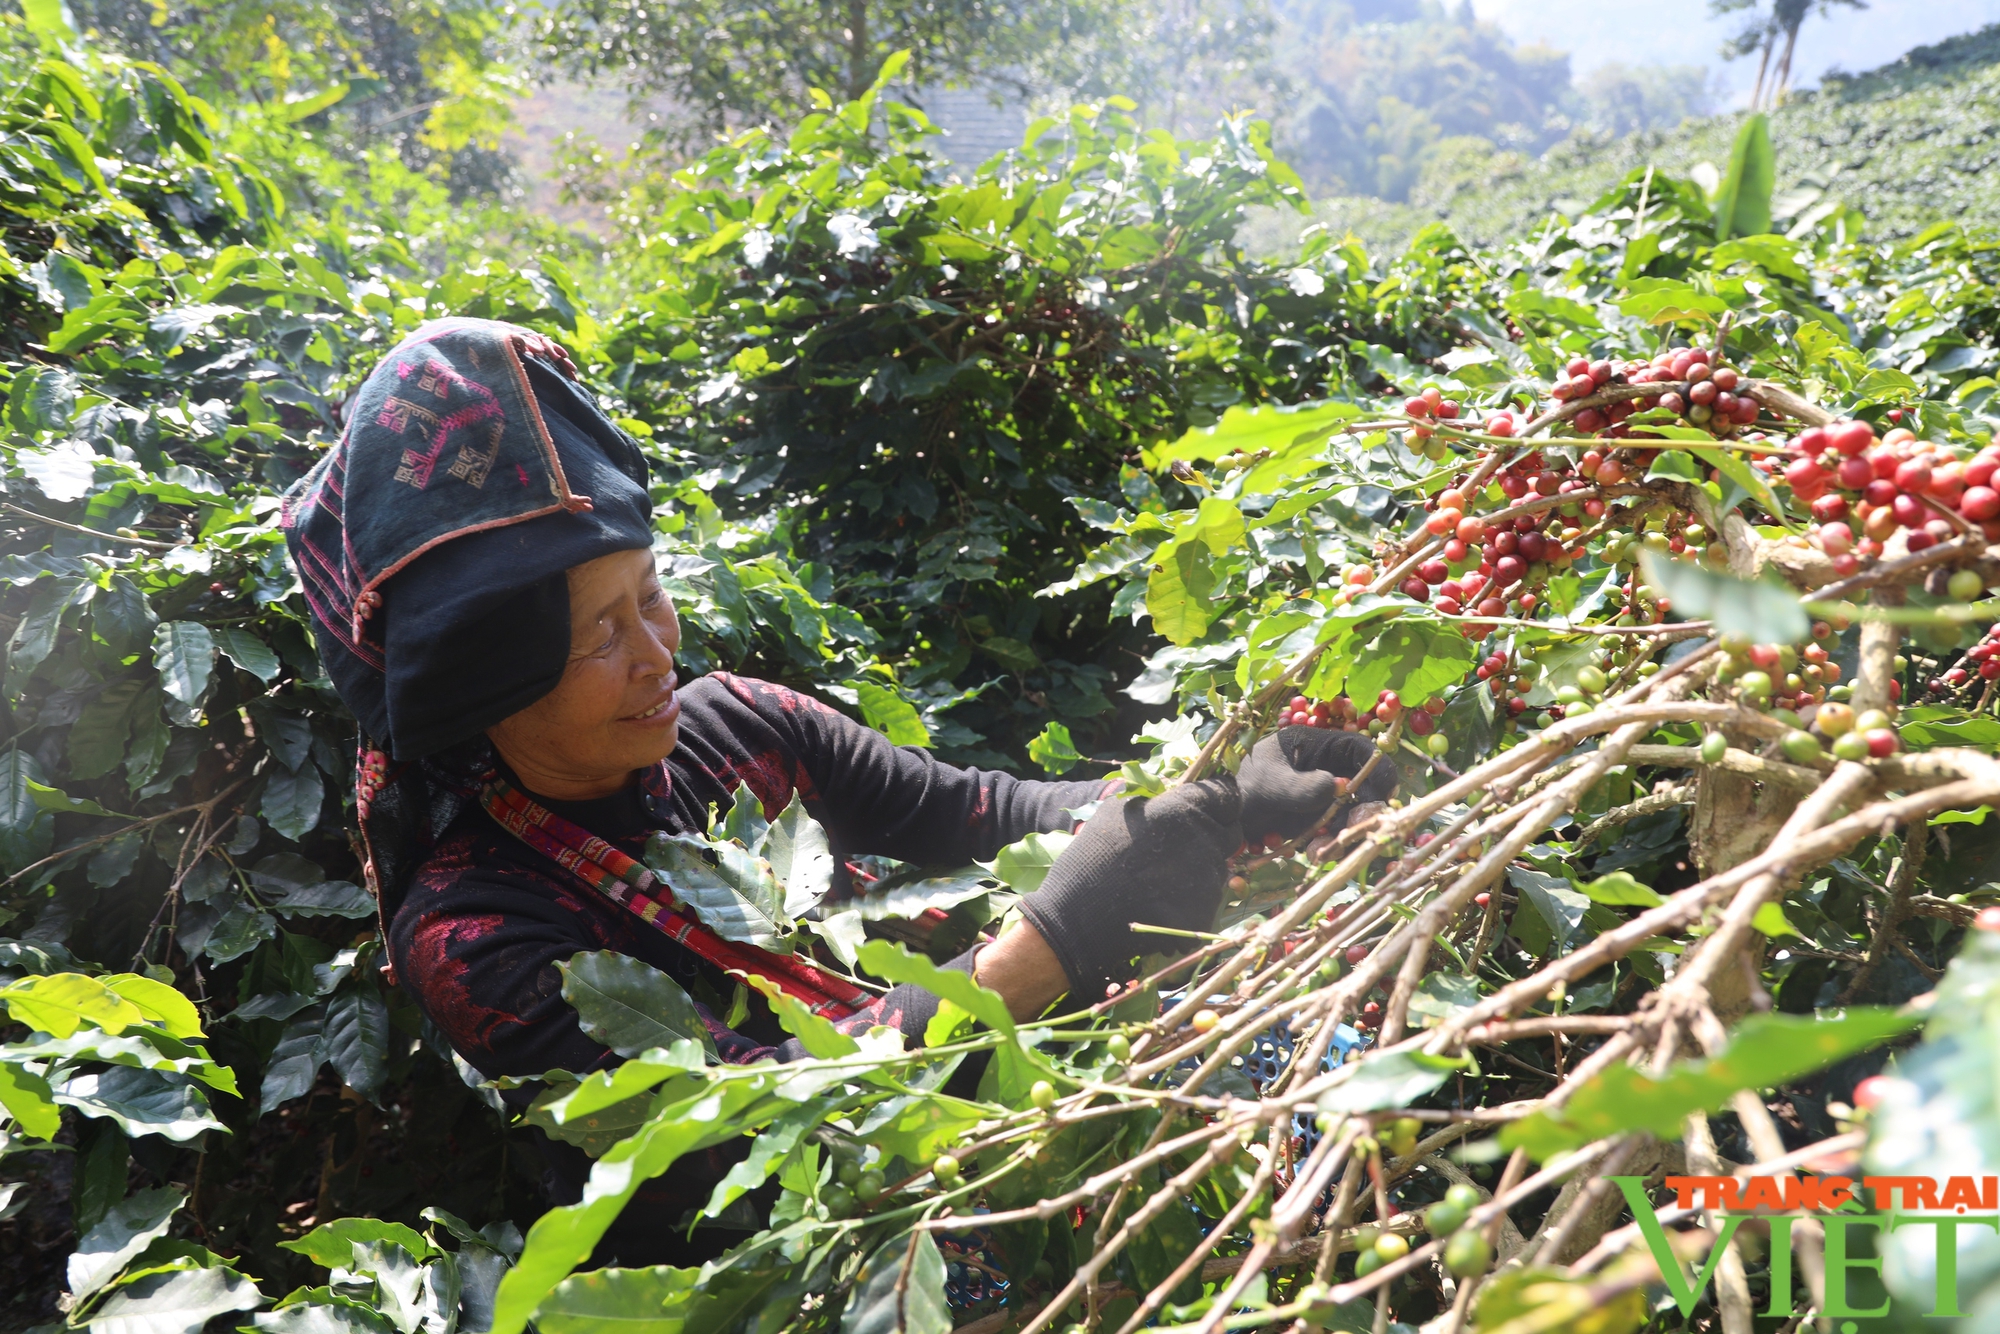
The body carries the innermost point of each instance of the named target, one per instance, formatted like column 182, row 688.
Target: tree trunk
column 860, row 69
column 1763, row 67
column 1785, row 66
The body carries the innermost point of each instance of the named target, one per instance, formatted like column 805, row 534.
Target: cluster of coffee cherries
column 1342, row 714
column 1982, row 661
column 1802, row 688
column 1498, row 567
column 1850, row 480
column 1710, row 398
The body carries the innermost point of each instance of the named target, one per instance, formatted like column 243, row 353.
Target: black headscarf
column 432, row 543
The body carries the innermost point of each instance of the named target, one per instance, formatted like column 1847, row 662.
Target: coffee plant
column 1655, row 558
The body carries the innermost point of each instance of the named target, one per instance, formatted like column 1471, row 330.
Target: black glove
column 1159, row 860
column 1163, row 860
column 1287, row 780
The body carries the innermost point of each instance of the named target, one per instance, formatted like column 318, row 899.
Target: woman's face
column 615, row 710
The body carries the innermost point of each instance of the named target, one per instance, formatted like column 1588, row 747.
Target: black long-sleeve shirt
column 487, row 918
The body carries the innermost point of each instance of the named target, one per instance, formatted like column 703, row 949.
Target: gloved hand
column 1163, row 860
column 1158, row 860
column 1287, row 779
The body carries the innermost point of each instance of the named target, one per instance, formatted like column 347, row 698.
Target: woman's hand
column 1288, row 780
column 1023, row 969
column 1161, row 861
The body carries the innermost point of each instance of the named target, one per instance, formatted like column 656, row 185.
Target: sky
column 1596, row 33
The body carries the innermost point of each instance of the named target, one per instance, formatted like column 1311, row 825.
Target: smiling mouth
column 670, row 705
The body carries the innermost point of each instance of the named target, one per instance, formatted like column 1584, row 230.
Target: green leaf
column 744, row 822
column 1743, row 205
column 1766, row 1050
column 1558, row 903
column 184, row 653
column 1393, row 1079
column 891, row 961
column 1765, row 612
column 179, row 1301
column 1620, row 890
column 890, row 714
column 815, row 1032
column 1010, row 653
column 1415, row 658
column 128, row 1227
column 800, row 857
column 142, row 1102
column 1054, row 750
column 900, row 1290
column 355, row 1037
column 250, row 653
column 311, row 104
column 48, row 18
column 320, row 1311
column 158, row 1003
column 767, row 1150
column 1179, row 591
column 27, row 1098
column 58, row 1003
column 295, row 1060
column 1771, row 921
column 627, row 1301
column 1774, row 254
column 1442, row 995
column 737, row 895
column 331, row 1245
column 26, row 830
column 564, row 1237
column 1248, row 430
column 292, row 801
column 1023, row 865
column 1733, row 467
column 628, row 1005
column 97, row 738
column 1665, row 300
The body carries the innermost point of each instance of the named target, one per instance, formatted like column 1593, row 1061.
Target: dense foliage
column 974, row 459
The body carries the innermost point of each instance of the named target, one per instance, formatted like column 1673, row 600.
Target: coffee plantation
column 1653, row 550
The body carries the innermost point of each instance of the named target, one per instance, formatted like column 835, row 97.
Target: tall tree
column 720, row 63
column 1775, row 31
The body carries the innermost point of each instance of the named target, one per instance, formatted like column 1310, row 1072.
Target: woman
column 476, row 553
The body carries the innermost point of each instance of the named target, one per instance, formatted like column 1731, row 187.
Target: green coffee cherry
column 1713, row 747
column 1965, row 585
column 1850, row 746
column 848, row 1173
column 1119, row 1046
column 946, row 1170
column 1043, row 1094
column 1801, row 748
column 1464, row 1195
column 1592, row 680
column 1443, row 1218
column 1468, row 1254
column 1756, row 685
column 871, row 1186
column 1437, row 743
column 839, row 1201
column 1391, row 1246
column 1366, row 1262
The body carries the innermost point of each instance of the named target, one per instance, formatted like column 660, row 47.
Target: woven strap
column 623, row 880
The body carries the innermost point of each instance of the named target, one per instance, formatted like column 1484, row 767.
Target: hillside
column 1909, row 143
